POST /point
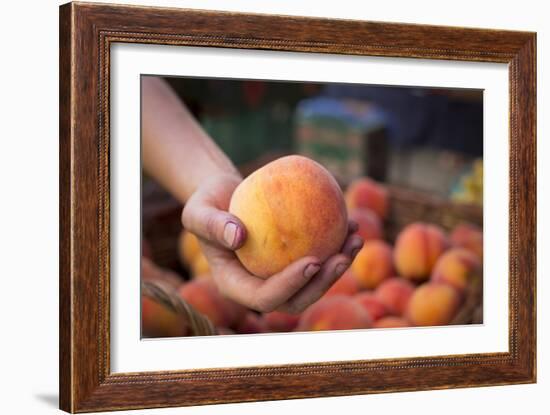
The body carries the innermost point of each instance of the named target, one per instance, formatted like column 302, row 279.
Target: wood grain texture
column 86, row 33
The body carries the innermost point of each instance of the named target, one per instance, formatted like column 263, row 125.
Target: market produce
column 373, row 264
column 338, row 312
column 370, row 225
column 457, row 267
column 391, row 322
column 278, row 321
column 417, row 248
column 433, row 304
column 199, row 266
column 346, row 285
column 468, row 236
column 395, row 294
column 293, row 208
column 159, row 321
column 366, row 193
column 251, row 323
column 204, row 296
column 470, row 187
column 188, row 247
column 373, row 305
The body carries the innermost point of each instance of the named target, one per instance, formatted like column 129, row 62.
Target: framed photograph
column 260, row 207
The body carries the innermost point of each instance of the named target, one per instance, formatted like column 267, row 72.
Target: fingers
column 352, row 245
column 332, row 269
column 352, row 227
column 293, row 289
column 262, row 295
column 213, row 225
column 280, row 287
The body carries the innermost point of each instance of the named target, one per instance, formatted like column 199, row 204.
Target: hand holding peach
column 296, row 235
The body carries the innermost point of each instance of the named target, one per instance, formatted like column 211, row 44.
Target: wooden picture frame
column 86, row 33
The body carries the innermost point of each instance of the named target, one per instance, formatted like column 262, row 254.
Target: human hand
column 220, row 233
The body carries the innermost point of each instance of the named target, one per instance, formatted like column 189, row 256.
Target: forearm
column 176, row 151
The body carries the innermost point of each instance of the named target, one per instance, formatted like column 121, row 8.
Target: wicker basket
column 199, row 325
column 162, row 226
column 407, row 206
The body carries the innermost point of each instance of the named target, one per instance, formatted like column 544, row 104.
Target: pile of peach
column 420, row 280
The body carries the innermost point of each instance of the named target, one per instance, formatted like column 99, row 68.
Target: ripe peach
column 395, row 294
column 370, row 225
column 373, row 305
column 417, row 248
column 346, row 285
column 188, row 247
column 199, row 265
column 279, row 321
column 251, row 323
column 159, row 321
column 205, row 275
column 468, row 236
column 373, row 264
column 366, row 193
column 433, row 304
column 291, row 208
column 391, row 322
column 457, row 267
column 334, row 313
column 203, row 295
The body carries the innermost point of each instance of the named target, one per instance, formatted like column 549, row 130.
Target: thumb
column 214, row 225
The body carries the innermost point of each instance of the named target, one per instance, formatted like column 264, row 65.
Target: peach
column 205, row 275
column 199, row 265
column 188, row 247
column 391, row 322
column 373, row 264
column 433, row 304
column 373, row 305
column 395, row 294
column 334, row 313
column 203, row 295
column 279, row 321
column 468, row 236
column 291, row 208
column 366, row 193
column 417, row 248
column 370, row 225
column 346, row 285
column 251, row 323
column 457, row 267
column 157, row 320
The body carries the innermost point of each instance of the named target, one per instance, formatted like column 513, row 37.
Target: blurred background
column 423, row 138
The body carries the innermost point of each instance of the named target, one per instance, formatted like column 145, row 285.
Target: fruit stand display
column 421, row 265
